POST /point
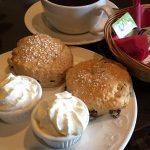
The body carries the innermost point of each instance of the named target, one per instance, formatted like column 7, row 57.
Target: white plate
column 34, row 22
column 104, row 133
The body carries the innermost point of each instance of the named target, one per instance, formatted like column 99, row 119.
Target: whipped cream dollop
column 67, row 114
column 17, row 92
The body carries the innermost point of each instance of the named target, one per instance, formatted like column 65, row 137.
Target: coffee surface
column 73, row 2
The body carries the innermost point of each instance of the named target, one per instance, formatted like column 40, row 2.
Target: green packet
column 124, row 25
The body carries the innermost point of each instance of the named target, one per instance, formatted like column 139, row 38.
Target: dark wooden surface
column 12, row 28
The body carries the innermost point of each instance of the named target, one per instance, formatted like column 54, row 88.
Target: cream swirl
column 19, row 92
column 68, row 114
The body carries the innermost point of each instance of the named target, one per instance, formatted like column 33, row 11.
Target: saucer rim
column 31, row 28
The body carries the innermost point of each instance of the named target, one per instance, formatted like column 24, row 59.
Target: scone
column 42, row 57
column 103, row 85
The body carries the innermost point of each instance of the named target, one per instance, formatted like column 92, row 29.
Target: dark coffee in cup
column 73, row 2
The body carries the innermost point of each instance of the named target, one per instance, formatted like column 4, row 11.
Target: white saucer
column 34, row 22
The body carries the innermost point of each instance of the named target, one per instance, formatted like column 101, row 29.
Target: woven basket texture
column 136, row 68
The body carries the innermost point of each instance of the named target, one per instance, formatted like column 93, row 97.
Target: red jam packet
column 137, row 12
column 135, row 46
column 140, row 14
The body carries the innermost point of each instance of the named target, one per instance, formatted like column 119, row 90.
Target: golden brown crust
column 42, row 57
column 102, row 84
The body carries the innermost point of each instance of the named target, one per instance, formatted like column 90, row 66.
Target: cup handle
column 108, row 11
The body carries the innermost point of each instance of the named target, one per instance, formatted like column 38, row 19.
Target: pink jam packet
column 135, row 46
column 140, row 14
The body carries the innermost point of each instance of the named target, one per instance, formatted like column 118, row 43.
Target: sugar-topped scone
column 103, row 85
column 42, row 57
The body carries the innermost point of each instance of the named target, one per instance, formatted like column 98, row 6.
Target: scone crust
column 42, row 57
column 101, row 83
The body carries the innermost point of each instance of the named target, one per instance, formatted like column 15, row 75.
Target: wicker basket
column 135, row 67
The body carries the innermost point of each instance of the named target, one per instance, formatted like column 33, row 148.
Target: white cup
column 75, row 19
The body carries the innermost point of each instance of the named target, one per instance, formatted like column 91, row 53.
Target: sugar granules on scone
column 104, row 85
column 43, row 58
